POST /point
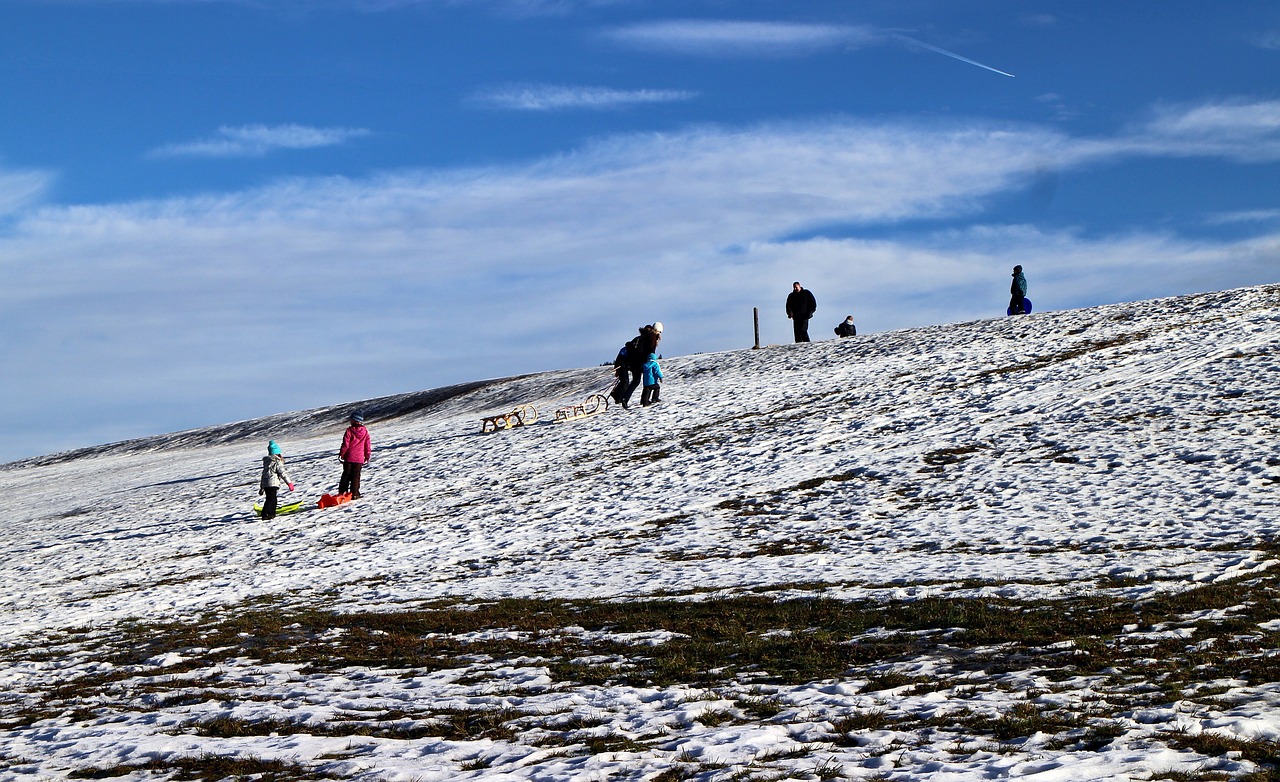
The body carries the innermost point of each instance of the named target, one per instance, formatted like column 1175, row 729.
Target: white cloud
column 517, row 7
column 260, row 140
column 719, row 37
column 1238, row 129
column 713, row 38
column 1246, row 216
column 551, row 97
column 1234, row 119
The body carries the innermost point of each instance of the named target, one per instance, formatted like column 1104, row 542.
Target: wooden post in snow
column 755, row 313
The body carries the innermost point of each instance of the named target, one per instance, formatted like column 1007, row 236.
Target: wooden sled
column 596, row 403
column 524, row 414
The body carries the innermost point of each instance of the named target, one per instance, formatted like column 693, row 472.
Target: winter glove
column 291, row 487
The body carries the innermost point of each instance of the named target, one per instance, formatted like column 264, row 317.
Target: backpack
column 632, row 348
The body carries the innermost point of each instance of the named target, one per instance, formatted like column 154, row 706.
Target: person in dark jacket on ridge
column 846, row 328
column 1017, row 292
column 800, row 307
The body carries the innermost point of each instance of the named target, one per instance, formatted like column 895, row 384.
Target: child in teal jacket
column 273, row 477
column 652, row 378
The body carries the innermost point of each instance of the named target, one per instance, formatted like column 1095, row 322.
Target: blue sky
column 213, row 210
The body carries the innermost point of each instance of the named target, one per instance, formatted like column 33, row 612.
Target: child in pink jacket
column 354, row 453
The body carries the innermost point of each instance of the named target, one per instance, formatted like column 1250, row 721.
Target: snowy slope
column 1126, row 450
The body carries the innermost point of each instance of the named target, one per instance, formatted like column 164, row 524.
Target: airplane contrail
column 940, row 50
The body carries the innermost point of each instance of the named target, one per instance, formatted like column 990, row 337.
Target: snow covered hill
column 1123, row 453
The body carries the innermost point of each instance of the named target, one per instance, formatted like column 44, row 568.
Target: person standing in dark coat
column 800, row 307
column 1017, row 292
column 846, row 328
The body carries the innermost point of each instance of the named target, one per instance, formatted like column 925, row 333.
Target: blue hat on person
column 272, row 448
column 357, row 417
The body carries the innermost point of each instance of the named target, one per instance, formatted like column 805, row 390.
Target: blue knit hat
column 357, row 417
column 272, row 448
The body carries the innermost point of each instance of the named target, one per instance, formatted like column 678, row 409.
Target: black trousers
column 269, row 503
column 350, row 478
column 637, row 376
column 649, row 395
column 628, row 380
column 622, row 387
column 1015, row 304
column 801, row 327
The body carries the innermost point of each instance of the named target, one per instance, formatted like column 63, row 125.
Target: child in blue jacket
column 652, row 378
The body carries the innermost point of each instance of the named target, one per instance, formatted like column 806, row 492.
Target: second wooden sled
column 594, row 404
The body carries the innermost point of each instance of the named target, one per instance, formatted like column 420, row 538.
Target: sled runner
column 524, row 414
column 596, row 403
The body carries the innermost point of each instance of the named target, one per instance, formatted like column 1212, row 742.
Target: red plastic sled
column 329, row 500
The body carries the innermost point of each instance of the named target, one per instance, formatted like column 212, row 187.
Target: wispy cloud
column 517, row 7
column 719, row 37
column 1057, row 106
column 1239, row 129
column 1246, row 216
column 21, row 189
column 552, row 97
column 1267, row 39
column 1038, row 20
column 259, row 140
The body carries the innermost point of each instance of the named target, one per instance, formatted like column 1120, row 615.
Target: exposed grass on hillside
column 740, row 650
column 212, row 767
